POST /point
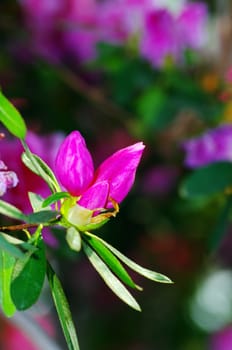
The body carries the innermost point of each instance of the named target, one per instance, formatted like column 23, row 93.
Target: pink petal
column 119, row 170
column 74, row 164
column 96, row 196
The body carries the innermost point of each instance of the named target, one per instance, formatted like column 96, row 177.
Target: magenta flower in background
column 159, row 39
column 166, row 34
column 192, row 23
column 42, row 21
column 60, row 27
column 8, row 179
column 122, row 18
column 112, row 179
column 159, row 180
column 229, row 75
column 221, row 340
column 10, row 152
column 74, row 27
column 78, row 21
column 215, row 145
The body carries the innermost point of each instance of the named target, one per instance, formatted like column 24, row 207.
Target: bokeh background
column 122, row 71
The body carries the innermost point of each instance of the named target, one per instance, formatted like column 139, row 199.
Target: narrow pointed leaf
column 11, row 211
column 28, row 277
column 11, row 118
column 40, row 168
column 36, row 201
column 111, row 261
column 22, row 245
column 7, row 262
column 41, row 217
column 152, row 275
column 109, row 278
column 62, row 309
column 10, row 248
column 54, row 198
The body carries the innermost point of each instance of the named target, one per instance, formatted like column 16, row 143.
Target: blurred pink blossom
column 45, row 147
column 10, row 152
column 213, row 146
column 221, row 340
column 159, row 40
column 192, row 27
column 159, row 180
column 229, row 75
column 13, row 338
column 42, row 21
column 74, row 27
column 61, row 26
column 167, row 35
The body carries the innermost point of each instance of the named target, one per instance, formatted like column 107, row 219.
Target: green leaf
column 150, row 104
column 62, row 309
column 18, row 244
column 7, row 262
column 54, row 198
column 28, row 277
column 152, row 275
column 109, row 278
column 40, row 168
column 10, row 248
column 221, row 226
column 41, row 217
column 36, row 201
column 11, row 118
column 207, row 181
column 113, row 263
column 11, row 211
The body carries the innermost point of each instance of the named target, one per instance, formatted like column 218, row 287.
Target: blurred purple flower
column 58, row 27
column 8, row 179
column 122, row 18
column 45, row 147
column 229, row 75
column 159, row 40
column 159, row 180
column 42, row 20
column 78, row 27
column 192, row 22
column 221, row 340
column 214, row 145
column 74, row 27
column 167, row 35
column 112, row 179
column 10, row 152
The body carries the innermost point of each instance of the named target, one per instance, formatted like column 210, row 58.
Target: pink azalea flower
column 113, row 178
